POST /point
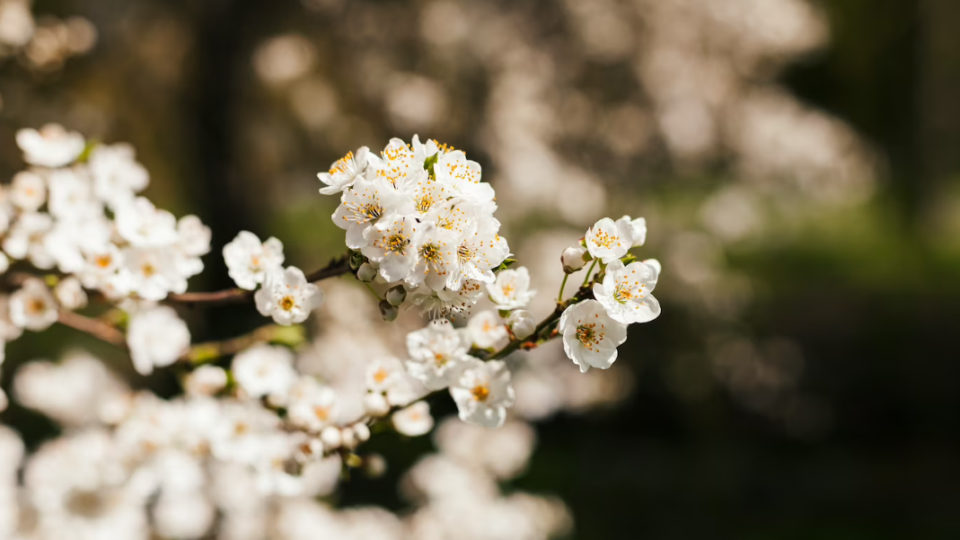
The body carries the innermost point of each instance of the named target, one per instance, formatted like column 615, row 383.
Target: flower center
column 36, row 306
column 481, row 392
column 508, row 290
column 440, row 359
column 372, row 210
column 589, row 336
column 464, row 253
column 622, row 293
column 286, row 303
column 341, row 165
column 397, row 243
column 424, row 203
column 103, row 261
column 380, row 375
column 603, row 239
column 148, row 270
column 322, row 413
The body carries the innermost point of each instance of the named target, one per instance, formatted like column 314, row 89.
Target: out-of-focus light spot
column 284, row 59
column 443, row 23
column 414, row 102
column 732, row 213
column 314, row 102
column 16, row 23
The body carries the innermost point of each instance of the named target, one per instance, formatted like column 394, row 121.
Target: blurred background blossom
column 797, row 162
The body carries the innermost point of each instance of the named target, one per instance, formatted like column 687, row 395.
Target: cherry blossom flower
column 264, row 371
column 487, row 330
column 157, row 337
column 414, row 420
column 344, row 172
column 437, row 353
column 608, row 240
column 287, row 297
column 590, row 336
column 33, row 306
column 51, row 146
column 511, row 290
column 249, row 261
column 483, row 393
column 625, row 292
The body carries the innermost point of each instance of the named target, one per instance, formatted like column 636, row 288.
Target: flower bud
column 348, row 439
column 361, row 432
column 521, row 323
column 388, row 311
column 376, row 405
column 331, row 437
column 396, row 295
column 573, row 259
column 374, row 466
column 366, row 273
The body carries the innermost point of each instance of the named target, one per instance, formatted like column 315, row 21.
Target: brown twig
column 95, row 327
column 337, row 267
column 533, row 339
column 206, row 352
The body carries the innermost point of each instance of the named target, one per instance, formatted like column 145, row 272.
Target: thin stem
column 372, row 291
column 207, row 352
column 95, row 327
column 586, row 279
column 582, row 294
column 562, row 285
column 337, row 267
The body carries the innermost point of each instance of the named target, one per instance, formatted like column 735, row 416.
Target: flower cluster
column 422, row 218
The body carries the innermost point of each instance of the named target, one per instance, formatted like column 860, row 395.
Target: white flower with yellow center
column 437, row 353
column 608, row 240
column 51, row 146
column 382, row 373
column 393, row 244
column 264, row 371
column 447, row 303
column 312, row 405
column 487, row 330
column 511, row 290
column 156, row 337
column 453, row 169
column 479, row 251
column 436, row 257
column 152, row 273
column 33, row 306
column 590, row 336
column 344, row 172
column 362, row 206
column 287, row 297
column 249, row 261
column 144, row 225
column 28, row 191
column 483, row 393
column 396, row 165
column 100, row 263
column 625, row 292
column 414, row 420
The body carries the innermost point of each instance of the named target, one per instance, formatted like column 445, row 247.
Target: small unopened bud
column 388, row 311
column 366, row 273
column 573, row 259
column 356, row 260
column 396, row 295
column 521, row 323
column 361, row 432
column 376, row 405
column 348, row 439
column 331, row 437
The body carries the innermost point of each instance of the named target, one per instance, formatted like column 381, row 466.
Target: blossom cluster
column 422, row 218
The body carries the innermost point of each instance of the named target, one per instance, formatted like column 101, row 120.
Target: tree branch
column 337, row 267
column 95, row 327
column 585, row 292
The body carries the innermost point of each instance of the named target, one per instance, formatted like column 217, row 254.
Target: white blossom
column 70, row 293
column 414, row 420
column 511, row 290
column 487, row 330
column 157, row 337
column 626, row 292
column 392, row 244
column 287, row 297
column 437, row 353
column 264, row 371
column 249, row 261
column 28, row 191
column 143, row 225
column 206, row 380
column 51, row 146
column 572, row 259
column 590, row 336
column 383, row 373
column 638, row 229
column 312, row 405
column 33, row 306
column 344, row 172
column 522, row 323
column 117, row 176
column 608, row 240
column 483, row 393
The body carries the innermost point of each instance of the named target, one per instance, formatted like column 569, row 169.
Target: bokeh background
column 798, row 163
